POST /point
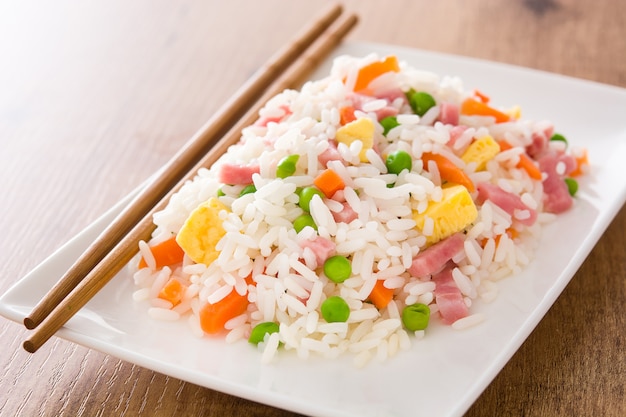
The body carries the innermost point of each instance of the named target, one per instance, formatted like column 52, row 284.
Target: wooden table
column 95, row 96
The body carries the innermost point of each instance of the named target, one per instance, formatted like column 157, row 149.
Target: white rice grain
column 163, row 314
column 469, row 321
column 194, row 325
column 463, row 283
column 472, row 250
column 236, row 334
column 361, row 360
column 271, row 346
column 141, row 294
column 162, row 277
column 147, row 255
column 219, row 294
column 364, row 314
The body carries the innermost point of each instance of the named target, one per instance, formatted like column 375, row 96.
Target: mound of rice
column 260, row 256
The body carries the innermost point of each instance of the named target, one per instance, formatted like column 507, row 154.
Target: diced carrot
column 250, row 280
column 482, row 97
column 346, row 115
column 513, row 233
column 381, row 295
column 173, row 291
column 582, row 161
column 448, row 171
column 473, row 107
column 525, row 162
column 213, row 317
column 368, row 73
column 165, row 253
column 528, row 165
column 504, row 145
column 329, row 182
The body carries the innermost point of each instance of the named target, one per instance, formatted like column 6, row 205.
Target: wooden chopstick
column 216, row 127
column 123, row 252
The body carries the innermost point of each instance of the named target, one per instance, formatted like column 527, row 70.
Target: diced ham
column 448, row 297
column 449, row 114
column 507, row 201
column 555, row 192
column 538, row 145
column 569, row 163
column 391, row 95
column 359, row 100
column 321, row 247
column 264, row 120
column 237, row 174
column 386, row 111
column 540, row 141
column 346, row 215
column 330, row 154
column 455, row 133
column 435, row 257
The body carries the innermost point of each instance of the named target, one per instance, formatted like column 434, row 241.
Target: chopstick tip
column 29, row 323
column 29, row 346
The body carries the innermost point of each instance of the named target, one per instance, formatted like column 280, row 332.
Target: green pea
column 572, row 186
column 287, row 166
column 220, row 193
column 303, row 221
column 398, row 161
column 306, row 195
column 335, row 309
column 260, row 330
column 389, row 123
column 247, row 190
column 415, row 316
column 338, row 268
column 559, row 137
column 420, row 101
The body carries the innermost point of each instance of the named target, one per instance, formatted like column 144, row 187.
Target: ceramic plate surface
column 442, row 374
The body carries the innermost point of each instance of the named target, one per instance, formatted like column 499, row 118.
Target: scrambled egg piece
column 453, row 213
column 481, row 151
column 360, row 129
column 201, row 232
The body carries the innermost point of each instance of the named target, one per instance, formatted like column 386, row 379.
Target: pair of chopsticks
column 118, row 243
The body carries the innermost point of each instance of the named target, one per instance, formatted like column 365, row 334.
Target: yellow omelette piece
column 360, row 129
column 453, row 213
column 481, row 151
column 201, row 232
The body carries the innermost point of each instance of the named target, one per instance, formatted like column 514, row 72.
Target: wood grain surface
column 95, row 96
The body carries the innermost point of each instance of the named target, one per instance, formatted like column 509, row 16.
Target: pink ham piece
column 435, row 257
column 386, row 111
column 391, row 95
column 540, row 141
column 346, row 215
column 555, row 192
column 321, row 247
column 455, row 133
column 358, row 100
column 236, row 174
column 449, row 114
column 507, row 201
column 263, row 121
column 448, row 297
column 330, row 154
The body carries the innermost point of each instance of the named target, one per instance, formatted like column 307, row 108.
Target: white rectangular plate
column 442, row 374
